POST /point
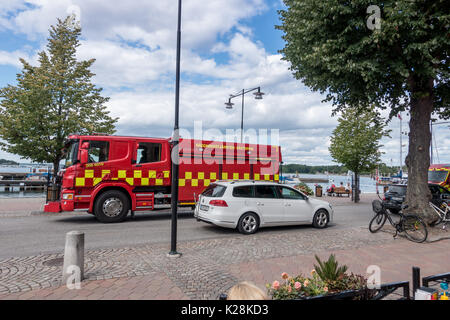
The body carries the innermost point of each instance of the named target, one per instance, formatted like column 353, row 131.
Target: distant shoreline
column 324, row 174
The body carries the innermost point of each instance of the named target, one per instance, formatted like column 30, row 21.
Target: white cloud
column 134, row 45
column 12, row 58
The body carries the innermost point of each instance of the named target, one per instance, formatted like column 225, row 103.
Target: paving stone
column 208, row 268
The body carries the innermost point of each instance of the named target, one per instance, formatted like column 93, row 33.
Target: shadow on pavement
column 86, row 218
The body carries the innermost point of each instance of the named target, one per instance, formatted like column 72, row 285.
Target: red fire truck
column 439, row 174
column 109, row 176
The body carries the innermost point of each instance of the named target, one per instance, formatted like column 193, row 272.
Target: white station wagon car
column 250, row 205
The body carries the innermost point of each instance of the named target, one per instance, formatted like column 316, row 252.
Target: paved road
column 38, row 234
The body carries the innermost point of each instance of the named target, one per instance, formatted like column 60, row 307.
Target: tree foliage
column 8, row 162
column 356, row 140
column 402, row 63
column 332, row 51
column 52, row 100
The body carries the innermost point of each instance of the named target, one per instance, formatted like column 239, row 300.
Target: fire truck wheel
column 111, row 206
column 248, row 223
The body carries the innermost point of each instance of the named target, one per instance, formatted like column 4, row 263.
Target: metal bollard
column 73, row 255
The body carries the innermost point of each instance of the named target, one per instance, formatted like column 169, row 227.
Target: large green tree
column 356, row 142
column 52, row 100
column 399, row 61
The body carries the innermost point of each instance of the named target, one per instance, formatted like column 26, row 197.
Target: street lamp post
column 175, row 155
column 229, row 104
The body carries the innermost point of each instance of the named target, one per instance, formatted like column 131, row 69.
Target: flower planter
column 329, row 281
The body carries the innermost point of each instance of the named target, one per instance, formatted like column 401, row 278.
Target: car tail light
column 218, row 203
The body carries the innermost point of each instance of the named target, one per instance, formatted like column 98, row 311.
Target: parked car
column 396, row 194
column 250, row 205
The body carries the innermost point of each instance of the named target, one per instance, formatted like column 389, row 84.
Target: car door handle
column 288, row 205
column 260, row 204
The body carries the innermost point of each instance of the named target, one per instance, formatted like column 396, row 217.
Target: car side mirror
column 445, row 196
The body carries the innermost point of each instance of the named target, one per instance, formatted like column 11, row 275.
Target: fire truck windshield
column 71, row 153
column 437, row 175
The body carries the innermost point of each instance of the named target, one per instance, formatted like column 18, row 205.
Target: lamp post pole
column 242, row 115
column 229, row 104
column 175, row 154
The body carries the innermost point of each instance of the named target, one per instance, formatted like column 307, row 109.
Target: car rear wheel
column 248, row 223
column 111, row 206
column 321, row 219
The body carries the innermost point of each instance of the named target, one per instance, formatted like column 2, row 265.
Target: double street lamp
column 229, row 105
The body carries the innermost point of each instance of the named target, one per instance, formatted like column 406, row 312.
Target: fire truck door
column 152, row 165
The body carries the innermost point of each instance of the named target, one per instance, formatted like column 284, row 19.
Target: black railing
column 436, row 278
column 390, row 288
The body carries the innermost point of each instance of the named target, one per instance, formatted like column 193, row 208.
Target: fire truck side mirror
column 136, row 148
column 84, row 156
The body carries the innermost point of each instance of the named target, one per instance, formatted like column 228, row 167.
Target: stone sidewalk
column 20, row 206
column 210, row 267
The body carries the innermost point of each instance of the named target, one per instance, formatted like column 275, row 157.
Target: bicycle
column 413, row 226
column 442, row 209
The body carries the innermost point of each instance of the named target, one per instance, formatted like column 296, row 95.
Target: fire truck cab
column 110, row 175
column 440, row 174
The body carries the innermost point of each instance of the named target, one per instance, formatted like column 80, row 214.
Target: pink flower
column 284, row 275
column 325, row 289
column 297, row 285
column 313, row 271
column 305, row 284
column 276, row 285
column 289, row 288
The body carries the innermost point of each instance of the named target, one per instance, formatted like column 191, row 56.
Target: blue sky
column 226, row 46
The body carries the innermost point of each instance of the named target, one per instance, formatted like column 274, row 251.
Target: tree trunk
column 356, row 188
column 55, row 169
column 418, row 194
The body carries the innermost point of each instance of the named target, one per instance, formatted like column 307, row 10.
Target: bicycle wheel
column 439, row 220
column 414, row 228
column 441, row 216
column 377, row 222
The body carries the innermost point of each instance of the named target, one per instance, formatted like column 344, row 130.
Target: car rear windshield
column 397, row 190
column 214, row 190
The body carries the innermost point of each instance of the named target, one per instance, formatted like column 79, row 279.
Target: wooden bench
column 339, row 191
